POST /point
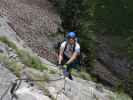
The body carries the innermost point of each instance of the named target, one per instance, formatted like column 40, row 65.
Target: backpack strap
column 74, row 46
column 66, row 46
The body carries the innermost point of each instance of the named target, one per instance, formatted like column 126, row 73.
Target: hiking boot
column 70, row 77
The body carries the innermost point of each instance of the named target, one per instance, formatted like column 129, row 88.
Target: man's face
column 71, row 40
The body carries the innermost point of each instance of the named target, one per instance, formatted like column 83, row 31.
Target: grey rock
column 6, row 77
column 3, row 48
column 37, row 23
column 27, row 93
column 118, row 67
column 104, row 74
column 24, row 92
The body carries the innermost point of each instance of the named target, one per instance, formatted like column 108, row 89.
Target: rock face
column 109, row 68
column 30, row 93
column 6, row 77
column 7, row 31
column 25, row 91
column 118, row 66
column 63, row 89
column 79, row 90
column 35, row 21
column 104, row 74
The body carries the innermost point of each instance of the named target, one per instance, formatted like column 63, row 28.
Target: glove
column 65, row 66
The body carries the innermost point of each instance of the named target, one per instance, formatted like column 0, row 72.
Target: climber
column 68, row 54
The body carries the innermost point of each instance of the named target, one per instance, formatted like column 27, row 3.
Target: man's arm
column 60, row 56
column 74, row 56
column 61, row 52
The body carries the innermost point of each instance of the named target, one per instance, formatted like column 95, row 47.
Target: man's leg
column 65, row 70
column 69, row 69
column 74, row 65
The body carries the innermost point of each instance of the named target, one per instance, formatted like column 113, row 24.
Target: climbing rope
column 62, row 89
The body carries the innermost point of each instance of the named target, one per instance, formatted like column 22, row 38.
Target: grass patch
column 44, row 66
column 14, row 66
column 82, row 74
column 75, row 73
column 121, row 96
column 52, row 71
column 85, row 75
column 35, row 75
column 25, row 56
column 28, row 59
column 31, row 60
column 9, row 43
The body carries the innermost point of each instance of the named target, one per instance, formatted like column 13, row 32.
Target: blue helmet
column 71, row 35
